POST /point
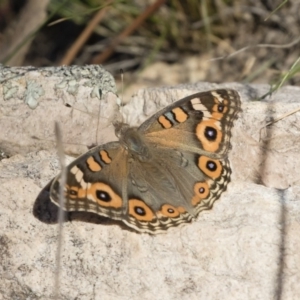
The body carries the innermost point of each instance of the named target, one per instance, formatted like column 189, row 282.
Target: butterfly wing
column 95, row 182
column 171, row 189
column 200, row 123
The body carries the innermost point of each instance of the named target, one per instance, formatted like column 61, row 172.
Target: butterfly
column 161, row 174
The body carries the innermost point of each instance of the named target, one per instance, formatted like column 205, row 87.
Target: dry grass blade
column 276, row 120
column 7, row 56
column 99, row 59
column 84, row 36
column 285, row 46
column 276, row 9
column 61, row 156
column 295, row 68
column 16, row 39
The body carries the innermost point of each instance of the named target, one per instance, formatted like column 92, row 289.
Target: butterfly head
column 132, row 140
column 120, row 127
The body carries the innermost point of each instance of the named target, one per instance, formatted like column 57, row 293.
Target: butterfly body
column 161, row 174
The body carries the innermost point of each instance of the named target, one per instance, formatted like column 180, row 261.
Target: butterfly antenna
column 122, row 84
column 61, row 156
column 121, row 103
column 98, row 120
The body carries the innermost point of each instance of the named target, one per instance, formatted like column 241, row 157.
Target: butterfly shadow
column 47, row 212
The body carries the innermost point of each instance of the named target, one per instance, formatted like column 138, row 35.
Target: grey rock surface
column 246, row 247
column 32, row 99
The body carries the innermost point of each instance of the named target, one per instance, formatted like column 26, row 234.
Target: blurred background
column 158, row 42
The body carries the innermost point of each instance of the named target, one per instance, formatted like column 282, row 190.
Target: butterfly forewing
column 200, row 123
column 94, row 182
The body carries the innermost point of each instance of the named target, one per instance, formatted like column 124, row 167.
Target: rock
column 246, row 247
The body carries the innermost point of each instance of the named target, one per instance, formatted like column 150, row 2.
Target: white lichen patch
column 9, row 90
column 33, row 92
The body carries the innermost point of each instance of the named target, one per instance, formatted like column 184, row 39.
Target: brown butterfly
column 161, row 174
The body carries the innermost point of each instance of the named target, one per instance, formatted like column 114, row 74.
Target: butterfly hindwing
column 164, row 194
